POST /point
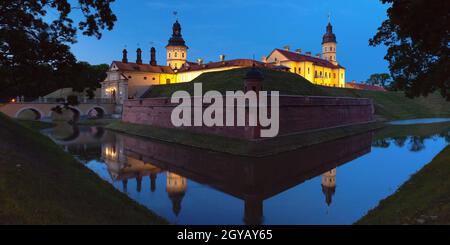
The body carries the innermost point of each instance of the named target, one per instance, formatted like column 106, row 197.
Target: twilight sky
column 243, row 28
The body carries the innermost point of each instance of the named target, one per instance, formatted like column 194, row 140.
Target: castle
column 127, row 80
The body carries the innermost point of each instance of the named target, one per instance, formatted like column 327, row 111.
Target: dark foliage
column 35, row 58
column 417, row 35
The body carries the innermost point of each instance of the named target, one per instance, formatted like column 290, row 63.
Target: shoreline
column 63, row 191
column 423, row 199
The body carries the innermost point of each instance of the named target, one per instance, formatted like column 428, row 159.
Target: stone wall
column 297, row 114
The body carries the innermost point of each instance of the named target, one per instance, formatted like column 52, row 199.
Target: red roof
column 142, row 67
column 192, row 66
column 363, row 86
column 301, row 58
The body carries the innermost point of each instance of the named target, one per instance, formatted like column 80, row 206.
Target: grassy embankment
column 388, row 105
column 424, row 199
column 42, row 184
column 240, row 147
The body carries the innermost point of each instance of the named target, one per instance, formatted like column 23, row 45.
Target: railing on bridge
column 43, row 100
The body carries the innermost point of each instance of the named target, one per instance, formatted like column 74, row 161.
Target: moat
column 335, row 182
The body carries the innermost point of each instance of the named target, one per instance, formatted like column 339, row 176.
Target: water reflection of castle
column 329, row 185
column 123, row 168
column 252, row 180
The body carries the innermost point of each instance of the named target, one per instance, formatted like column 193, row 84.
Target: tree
column 417, row 36
column 34, row 46
column 380, row 79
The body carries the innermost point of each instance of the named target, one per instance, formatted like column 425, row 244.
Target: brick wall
column 297, row 114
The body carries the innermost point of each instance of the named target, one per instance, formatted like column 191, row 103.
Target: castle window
column 176, row 54
column 169, row 55
column 182, row 54
column 295, row 69
column 167, row 81
column 315, row 73
column 299, row 70
column 153, row 78
column 145, row 78
column 308, row 70
column 129, row 77
column 320, row 74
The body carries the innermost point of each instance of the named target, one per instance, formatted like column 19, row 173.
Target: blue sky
column 243, row 28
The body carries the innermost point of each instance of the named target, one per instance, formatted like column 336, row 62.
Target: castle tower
column 139, row 56
column 329, row 44
column 125, row 56
column 176, row 186
column 329, row 185
column 253, row 80
column 153, row 56
column 176, row 48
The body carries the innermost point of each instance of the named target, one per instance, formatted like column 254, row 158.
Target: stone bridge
column 43, row 110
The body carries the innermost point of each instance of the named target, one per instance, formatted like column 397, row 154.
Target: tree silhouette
column 34, row 44
column 417, row 36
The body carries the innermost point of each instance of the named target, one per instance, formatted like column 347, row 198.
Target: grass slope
column 42, row 184
column 241, row 147
column 388, row 105
column 424, row 199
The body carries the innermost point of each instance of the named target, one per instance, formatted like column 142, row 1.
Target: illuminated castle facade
column 132, row 79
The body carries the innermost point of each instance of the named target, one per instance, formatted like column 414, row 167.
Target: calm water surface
column 331, row 183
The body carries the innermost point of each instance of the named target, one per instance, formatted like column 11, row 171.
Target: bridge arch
column 75, row 110
column 96, row 111
column 37, row 113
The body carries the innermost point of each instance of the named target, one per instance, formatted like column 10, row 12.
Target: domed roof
column 254, row 74
column 177, row 38
column 329, row 36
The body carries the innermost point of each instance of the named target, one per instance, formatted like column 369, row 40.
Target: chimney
column 298, row 51
column 199, row 61
column 124, row 56
column 139, row 56
column 264, row 59
column 318, row 56
column 286, row 47
column 308, row 53
column 222, row 57
column 153, row 56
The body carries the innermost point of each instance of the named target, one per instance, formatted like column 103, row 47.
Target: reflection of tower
column 153, row 182
column 253, row 211
column 138, row 182
column 176, row 187
column 114, row 157
column 329, row 185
